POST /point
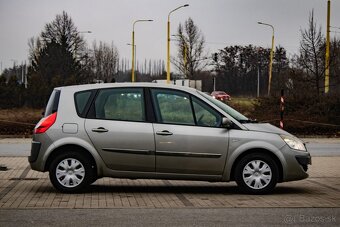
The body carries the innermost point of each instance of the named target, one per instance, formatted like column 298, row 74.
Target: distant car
column 220, row 95
column 148, row 130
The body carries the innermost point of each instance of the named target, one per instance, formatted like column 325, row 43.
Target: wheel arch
column 80, row 144
column 261, row 151
column 67, row 147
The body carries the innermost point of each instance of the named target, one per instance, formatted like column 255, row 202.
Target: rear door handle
column 164, row 133
column 100, row 130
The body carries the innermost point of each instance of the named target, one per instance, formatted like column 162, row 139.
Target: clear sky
column 223, row 22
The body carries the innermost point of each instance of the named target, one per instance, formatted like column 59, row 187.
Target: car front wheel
column 71, row 172
column 256, row 173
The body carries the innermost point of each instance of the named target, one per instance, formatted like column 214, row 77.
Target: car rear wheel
column 256, row 173
column 71, row 172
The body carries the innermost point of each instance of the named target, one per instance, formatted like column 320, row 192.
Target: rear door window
column 125, row 104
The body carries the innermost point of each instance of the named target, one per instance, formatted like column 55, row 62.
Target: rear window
column 81, row 99
column 53, row 102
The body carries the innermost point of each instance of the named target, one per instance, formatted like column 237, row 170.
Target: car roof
column 84, row 87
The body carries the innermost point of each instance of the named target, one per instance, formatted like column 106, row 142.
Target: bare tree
column 104, row 61
column 311, row 57
column 191, row 58
column 34, row 46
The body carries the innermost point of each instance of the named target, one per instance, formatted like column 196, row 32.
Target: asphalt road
column 324, row 149
column 172, row 217
column 316, row 147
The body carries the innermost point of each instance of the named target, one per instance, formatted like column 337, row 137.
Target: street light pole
column 271, row 56
column 133, row 49
column 135, row 52
column 168, row 44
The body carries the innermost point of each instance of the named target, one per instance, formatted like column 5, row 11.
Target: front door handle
column 164, row 133
column 100, row 130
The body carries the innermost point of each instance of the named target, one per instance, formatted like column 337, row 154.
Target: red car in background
column 220, row 95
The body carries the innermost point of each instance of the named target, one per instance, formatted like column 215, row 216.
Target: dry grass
column 18, row 121
column 243, row 104
column 21, row 115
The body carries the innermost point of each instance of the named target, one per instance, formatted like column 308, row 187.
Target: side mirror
column 226, row 123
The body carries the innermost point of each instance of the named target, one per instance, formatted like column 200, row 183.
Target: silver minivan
column 148, row 130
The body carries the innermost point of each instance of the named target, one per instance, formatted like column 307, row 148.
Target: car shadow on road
column 284, row 190
column 168, row 188
column 189, row 189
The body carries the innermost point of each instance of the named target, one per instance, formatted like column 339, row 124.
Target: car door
column 188, row 136
column 118, row 129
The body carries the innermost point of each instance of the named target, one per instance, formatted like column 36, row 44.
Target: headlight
column 294, row 142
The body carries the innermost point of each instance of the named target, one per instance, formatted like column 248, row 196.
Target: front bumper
column 304, row 161
column 296, row 164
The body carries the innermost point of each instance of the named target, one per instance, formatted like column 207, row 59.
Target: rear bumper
column 35, row 149
column 224, row 98
column 40, row 144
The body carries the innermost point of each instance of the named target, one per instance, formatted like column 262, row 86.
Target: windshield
column 238, row 116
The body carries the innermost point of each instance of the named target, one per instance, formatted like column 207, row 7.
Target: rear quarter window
column 81, row 99
column 53, row 102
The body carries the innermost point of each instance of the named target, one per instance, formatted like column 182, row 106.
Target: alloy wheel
column 70, row 172
column 257, row 174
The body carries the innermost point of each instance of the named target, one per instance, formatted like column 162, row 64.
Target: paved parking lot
column 21, row 187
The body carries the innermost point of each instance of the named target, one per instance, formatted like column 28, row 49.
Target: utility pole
column 215, row 57
column 327, row 48
column 258, row 71
column 258, row 80
column 22, row 73
column 26, row 75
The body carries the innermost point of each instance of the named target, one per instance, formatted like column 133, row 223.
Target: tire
column 71, row 172
column 256, row 173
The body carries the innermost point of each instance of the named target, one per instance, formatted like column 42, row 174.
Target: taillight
column 45, row 123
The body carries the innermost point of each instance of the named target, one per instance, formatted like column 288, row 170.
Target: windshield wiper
column 248, row 121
